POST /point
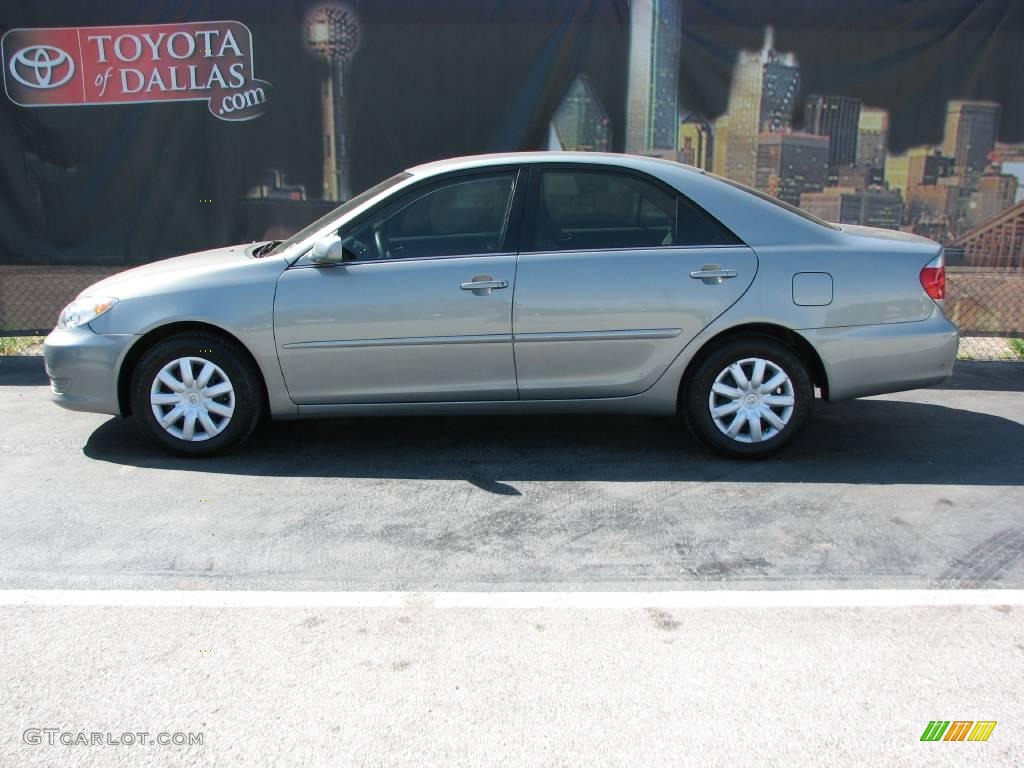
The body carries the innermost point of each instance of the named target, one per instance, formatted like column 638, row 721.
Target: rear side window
column 586, row 209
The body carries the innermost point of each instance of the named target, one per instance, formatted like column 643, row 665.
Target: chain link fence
column 987, row 304
column 31, row 297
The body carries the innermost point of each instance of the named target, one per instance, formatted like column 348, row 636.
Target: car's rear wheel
column 750, row 398
column 196, row 394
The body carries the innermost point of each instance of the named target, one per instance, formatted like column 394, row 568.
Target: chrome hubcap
column 192, row 399
column 752, row 400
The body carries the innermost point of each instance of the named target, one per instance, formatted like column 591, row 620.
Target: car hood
column 885, row 234
column 149, row 277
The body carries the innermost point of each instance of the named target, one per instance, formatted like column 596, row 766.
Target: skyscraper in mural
column 872, row 137
column 837, row 117
column 581, row 121
column 970, row 134
column 995, row 193
column 696, row 141
column 652, row 99
column 791, row 164
column 780, row 81
column 761, row 99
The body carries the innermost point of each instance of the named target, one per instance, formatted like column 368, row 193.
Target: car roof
column 638, row 162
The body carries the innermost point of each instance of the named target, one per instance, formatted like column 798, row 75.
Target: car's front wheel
column 196, row 394
column 750, row 398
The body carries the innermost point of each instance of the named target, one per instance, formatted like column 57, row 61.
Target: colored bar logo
column 958, row 730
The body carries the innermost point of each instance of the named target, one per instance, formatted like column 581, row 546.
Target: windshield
column 345, row 207
column 774, row 201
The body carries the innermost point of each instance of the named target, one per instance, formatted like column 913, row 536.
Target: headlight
column 84, row 310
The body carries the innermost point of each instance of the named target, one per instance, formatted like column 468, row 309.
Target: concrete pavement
column 420, row 684
column 596, row 518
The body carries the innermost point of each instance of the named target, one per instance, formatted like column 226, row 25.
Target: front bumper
column 874, row 359
column 83, row 366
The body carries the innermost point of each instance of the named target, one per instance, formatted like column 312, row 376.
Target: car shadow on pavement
column 986, row 376
column 859, row 441
column 22, row 371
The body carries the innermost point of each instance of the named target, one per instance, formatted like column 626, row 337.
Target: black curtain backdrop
column 127, row 184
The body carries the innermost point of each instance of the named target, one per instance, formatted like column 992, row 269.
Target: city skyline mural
column 827, row 153
column 900, row 115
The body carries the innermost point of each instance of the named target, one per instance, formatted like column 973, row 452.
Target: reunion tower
column 332, row 34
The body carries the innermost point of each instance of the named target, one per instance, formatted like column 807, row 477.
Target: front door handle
column 712, row 274
column 481, row 285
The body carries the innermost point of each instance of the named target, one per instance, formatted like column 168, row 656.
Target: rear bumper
column 874, row 359
column 82, row 366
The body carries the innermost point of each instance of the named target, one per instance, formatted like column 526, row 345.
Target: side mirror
column 330, row 250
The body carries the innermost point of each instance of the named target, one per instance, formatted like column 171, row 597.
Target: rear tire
column 749, row 399
column 196, row 394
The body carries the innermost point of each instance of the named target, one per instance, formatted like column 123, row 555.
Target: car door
column 618, row 272
column 423, row 310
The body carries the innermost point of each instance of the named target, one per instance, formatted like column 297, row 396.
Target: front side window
column 459, row 217
column 340, row 211
column 586, row 209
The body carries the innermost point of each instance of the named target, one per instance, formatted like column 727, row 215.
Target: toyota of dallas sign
column 205, row 61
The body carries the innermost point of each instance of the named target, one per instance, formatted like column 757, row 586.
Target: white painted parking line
column 704, row 599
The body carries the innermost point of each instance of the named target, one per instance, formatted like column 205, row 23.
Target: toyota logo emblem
column 36, row 66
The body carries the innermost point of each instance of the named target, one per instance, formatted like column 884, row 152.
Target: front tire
column 196, row 394
column 750, row 398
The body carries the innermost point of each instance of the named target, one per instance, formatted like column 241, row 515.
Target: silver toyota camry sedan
column 528, row 282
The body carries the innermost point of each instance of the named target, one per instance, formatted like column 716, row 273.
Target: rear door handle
column 712, row 273
column 481, row 285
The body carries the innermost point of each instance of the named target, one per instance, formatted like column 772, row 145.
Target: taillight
column 933, row 278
